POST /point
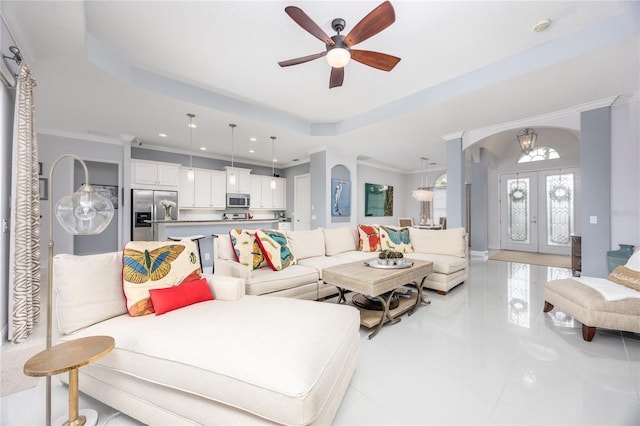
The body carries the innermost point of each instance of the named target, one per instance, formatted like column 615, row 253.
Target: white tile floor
column 484, row 354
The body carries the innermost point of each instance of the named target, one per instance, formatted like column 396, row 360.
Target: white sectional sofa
column 321, row 248
column 223, row 361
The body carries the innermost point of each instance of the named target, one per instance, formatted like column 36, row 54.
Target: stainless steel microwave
column 238, row 200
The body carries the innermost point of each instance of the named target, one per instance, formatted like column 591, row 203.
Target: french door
column 538, row 210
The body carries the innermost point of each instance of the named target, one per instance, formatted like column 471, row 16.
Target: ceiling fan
column 339, row 48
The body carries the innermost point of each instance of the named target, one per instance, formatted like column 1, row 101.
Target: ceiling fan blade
column 302, row 59
column 377, row 20
column 307, row 24
column 337, row 77
column 378, row 60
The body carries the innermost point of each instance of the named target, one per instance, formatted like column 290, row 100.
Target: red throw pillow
column 179, row 296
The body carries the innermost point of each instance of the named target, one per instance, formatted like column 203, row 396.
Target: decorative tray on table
column 389, row 263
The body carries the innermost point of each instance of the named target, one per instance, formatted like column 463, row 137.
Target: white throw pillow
column 339, row 240
column 88, row 289
column 305, row 244
column 634, row 261
column 448, row 241
column 225, row 248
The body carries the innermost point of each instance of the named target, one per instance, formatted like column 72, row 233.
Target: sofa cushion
column 264, row 280
column 442, row 264
column 397, row 239
column 225, row 248
column 88, row 289
column 276, row 249
column 447, row 241
column 307, row 243
column 246, row 354
column 339, row 240
column 246, row 248
column 321, row 262
column 179, row 296
column 625, row 276
column 369, row 238
column 355, row 255
column 155, row 264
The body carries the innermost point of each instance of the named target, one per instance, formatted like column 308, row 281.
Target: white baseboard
column 483, row 254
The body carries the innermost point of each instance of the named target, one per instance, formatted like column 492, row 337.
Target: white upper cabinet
column 207, row 189
column 145, row 174
column 280, row 194
column 218, row 189
column 186, row 195
column 263, row 196
column 241, row 181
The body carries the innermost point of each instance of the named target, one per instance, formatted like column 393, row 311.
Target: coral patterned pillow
column 246, row 248
column 392, row 238
column 369, row 238
column 148, row 265
column 276, row 248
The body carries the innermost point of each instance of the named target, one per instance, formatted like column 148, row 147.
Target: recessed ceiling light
column 203, row 148
column 275, row 160
column 252, row 151
column 253, row 139
column 542, row 25
column 162, row 135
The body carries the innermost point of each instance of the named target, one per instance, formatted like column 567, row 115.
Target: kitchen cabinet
column 206, row 190
column 242, row 183
column 154, row 175
column 263, row 197
column 186, row 195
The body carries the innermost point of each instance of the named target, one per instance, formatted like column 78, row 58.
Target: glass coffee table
column 380, row 284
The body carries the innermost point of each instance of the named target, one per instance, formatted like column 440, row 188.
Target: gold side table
column 70, row 356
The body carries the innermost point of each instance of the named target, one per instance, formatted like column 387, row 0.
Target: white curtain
column 24, row 242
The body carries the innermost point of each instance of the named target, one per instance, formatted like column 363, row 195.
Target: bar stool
column 195, row 238
column 213, row 266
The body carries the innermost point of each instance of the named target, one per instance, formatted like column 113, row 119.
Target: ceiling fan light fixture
column 338, row 57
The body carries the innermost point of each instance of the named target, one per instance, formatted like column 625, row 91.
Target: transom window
column 540, row 153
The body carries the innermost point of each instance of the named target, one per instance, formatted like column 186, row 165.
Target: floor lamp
column 85, row 212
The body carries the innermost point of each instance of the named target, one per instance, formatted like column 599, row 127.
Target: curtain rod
column 16, row 54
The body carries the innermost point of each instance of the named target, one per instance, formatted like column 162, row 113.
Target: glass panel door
column 558, row 221
column 519, row 212
column 538, row 211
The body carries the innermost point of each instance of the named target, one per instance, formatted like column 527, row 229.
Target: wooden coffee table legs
column 386, row 315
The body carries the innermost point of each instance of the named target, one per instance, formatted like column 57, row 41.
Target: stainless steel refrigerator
column 145, row 205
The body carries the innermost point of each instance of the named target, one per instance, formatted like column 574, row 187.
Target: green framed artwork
column 378, row 200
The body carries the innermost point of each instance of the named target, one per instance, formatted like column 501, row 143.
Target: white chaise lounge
column 234, row 360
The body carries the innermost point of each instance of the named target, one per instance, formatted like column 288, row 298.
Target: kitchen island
column 163, row 229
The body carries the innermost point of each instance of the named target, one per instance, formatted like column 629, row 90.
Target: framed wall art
column 340, row 197
column 378, row 200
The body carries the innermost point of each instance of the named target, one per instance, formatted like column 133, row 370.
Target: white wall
column 379, row 176
column 625, row 173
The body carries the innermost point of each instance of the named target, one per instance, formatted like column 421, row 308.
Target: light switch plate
column 593, row 220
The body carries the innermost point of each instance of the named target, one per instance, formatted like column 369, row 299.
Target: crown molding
column 82, row 136
column 601, row 103
column 452, row 136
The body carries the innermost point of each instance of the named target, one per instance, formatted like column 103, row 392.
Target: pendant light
column 232, row 175
column 423, row 193
column 527, row 138
column 273, row 162
column 190, row 173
